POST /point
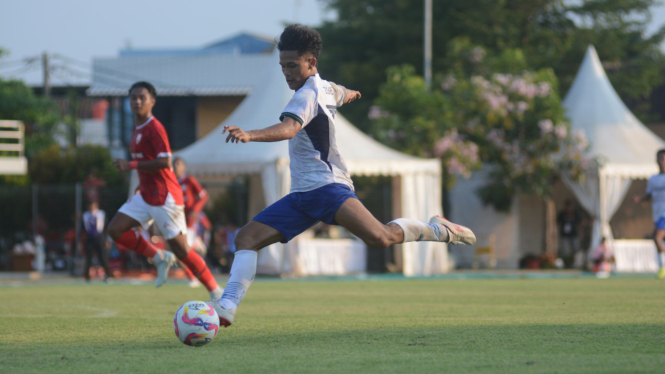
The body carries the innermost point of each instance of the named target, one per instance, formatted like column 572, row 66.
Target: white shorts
column 191, row 236
column 169, row 218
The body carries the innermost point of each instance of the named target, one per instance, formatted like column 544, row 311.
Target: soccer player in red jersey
column 195, row 197
column 161, row 197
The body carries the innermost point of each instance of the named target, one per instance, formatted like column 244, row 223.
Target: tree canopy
column 372, row 35
column 485, row 109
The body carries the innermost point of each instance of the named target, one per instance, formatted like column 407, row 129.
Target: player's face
column 661, row 159
column 141, row 101
column 179, row 169
column 297, row 69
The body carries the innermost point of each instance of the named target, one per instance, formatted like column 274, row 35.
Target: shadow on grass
column 578, row 348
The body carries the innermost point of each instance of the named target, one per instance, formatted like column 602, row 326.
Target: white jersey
column 315, row 159
column 656, row 188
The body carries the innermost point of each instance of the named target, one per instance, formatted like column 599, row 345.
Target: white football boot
column 163, row 267
column 194, row 283
column 456, row 234
column 226, row 316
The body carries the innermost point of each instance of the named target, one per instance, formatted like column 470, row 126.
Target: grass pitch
column 406, row 326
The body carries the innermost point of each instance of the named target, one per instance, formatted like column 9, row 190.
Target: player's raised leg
column 353, row 216
column 195, row 264
column 120, row 230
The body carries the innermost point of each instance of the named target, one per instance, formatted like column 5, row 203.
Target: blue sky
column 83, row 29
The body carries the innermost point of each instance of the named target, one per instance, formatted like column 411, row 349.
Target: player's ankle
column 228, row 304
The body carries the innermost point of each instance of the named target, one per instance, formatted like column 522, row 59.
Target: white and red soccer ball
column 196, row 323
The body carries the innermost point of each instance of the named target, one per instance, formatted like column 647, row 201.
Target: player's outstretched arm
column 156, row 164
column 350, row 95
column 281, row 131
column 344, row 95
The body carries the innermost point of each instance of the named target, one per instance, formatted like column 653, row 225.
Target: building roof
column 621, row 141
column 226, row 67
column 242, row 43
column 199, row 75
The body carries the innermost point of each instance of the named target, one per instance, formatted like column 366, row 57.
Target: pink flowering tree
column 483, row 110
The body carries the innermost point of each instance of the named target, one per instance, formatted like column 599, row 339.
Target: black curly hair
column 142, row 84
column 300, row 38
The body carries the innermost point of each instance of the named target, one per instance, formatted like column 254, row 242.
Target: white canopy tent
column 625, row 147
column 420, row 179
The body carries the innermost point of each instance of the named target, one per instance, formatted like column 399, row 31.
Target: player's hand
column 351, row 95
column 236, row 135
column 120, row 164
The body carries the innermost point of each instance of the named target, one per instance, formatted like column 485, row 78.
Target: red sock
column 196, row 264
column 189, row 273
column 133, row 241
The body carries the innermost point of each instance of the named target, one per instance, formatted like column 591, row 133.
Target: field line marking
column 103, row 312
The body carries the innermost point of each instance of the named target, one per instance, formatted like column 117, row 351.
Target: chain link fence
column 40, row 225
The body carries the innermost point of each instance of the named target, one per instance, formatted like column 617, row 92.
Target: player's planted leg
column 196, row 264
column 251, row 238
column 241, row 277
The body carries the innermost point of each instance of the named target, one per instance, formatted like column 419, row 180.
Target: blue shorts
column 298, row 211
column 660, row 224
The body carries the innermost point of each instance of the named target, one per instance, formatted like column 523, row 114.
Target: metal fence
column 53, row 213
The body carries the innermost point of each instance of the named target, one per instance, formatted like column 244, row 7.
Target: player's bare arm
column 146, row 165
column 281, row 131
column 349, row 95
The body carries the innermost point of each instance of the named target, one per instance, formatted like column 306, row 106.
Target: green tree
column 40, row 115
column 484, row 109
column 371, row 35
column 57, row 165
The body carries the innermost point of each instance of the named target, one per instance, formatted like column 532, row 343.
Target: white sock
column 216, row 294
column 242, row 274
column 416, row 231
column 661, row 259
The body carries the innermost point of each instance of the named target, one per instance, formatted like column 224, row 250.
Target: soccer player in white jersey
column 656, row 193
column 321, row 188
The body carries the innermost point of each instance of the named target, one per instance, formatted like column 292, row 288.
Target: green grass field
column 402, row 326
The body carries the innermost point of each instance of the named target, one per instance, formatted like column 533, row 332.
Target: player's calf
column 438, row 229
column 242, row 275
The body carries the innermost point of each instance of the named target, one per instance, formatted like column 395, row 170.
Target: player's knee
column 114, row 232
column 244, row 241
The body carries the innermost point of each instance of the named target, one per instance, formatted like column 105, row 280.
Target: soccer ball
column 196, row 323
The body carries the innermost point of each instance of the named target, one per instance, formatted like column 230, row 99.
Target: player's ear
column 312, row 62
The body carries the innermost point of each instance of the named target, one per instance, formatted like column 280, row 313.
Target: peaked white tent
column 625, row 147
column 420, row 179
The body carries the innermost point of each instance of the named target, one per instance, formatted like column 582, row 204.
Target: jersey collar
column 146, row 122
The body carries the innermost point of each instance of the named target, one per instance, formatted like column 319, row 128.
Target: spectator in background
column 195, row 198
column 569, row 220
column 94, row 221
column 603, row 259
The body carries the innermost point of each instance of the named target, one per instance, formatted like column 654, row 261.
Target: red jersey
column 149, row 141
column 194, row 196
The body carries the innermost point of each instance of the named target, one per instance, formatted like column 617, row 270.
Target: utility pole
column 428, row 43
column 47, row 76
